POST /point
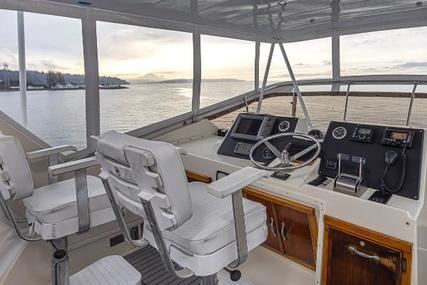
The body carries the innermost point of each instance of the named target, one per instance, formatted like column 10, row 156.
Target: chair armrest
column 79, row 167
column 50, row 151
column 235, row 181
column 72, row 166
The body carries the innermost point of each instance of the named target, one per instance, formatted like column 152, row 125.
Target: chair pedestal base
column 209, row 280
column 60, row 263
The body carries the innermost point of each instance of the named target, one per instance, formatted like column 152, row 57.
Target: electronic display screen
column 364, row 131
column 399, row 135
column 249, row 126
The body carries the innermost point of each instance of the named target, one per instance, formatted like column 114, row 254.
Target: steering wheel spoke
column 273, row 149
column 303, row 152
column 283, row 160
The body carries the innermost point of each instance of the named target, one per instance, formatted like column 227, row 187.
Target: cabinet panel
column 273, row 240
column 294, row 225
column 354, row 255
column 295, row 234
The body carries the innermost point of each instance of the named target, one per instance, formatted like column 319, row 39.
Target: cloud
column 412, row 64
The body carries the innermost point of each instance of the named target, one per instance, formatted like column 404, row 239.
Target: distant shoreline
column 63, row 89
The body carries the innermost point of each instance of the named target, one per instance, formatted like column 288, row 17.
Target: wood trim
column 312, row 221
column 377, row 237
column 367, row 234
column 198, row 177
column 280, row 201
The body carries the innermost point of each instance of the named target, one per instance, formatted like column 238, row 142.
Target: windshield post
column 336, row 62
column 197, row 72
column 264, row 81
column 296, row 87
column 91, row 70
column 22, row 66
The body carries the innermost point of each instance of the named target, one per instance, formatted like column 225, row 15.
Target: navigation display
column 249, row 126
column 399, row 135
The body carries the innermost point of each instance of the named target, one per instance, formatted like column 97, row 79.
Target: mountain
column 190, row 80
column 39, row 78
column 152, row 78
column 149, row 78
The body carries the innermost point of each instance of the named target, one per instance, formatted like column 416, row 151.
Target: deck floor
column 262, row 268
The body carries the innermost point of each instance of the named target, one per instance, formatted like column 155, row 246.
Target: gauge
column 267, row 154
column 339, row 133
column 284, row 126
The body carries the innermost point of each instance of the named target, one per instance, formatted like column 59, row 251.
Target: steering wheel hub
column 283, row 158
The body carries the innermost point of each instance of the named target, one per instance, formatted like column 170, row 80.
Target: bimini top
column 266, row 20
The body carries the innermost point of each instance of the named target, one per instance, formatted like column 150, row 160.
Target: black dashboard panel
column 248, row 128
column 371, row 142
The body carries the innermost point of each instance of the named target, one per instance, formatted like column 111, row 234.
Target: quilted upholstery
column 211, row 226
column 15, row 167
column 112, row 148
column 57, row 202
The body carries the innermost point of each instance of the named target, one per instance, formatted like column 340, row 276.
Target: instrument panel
column 378, row 155
column 248, row 128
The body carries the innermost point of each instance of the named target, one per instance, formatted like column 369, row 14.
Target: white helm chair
column 57, row 210
column 196, row 225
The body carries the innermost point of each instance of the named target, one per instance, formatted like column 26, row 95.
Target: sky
column 130, row 52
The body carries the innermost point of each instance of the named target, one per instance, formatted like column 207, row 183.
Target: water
column 58, row 117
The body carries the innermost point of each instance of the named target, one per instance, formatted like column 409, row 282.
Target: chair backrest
column 135, row 165
column 15, row 173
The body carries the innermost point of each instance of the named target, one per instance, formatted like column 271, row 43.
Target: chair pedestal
column 60, row 262
column 209, row 280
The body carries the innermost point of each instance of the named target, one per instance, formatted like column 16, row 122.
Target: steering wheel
column 284, row 158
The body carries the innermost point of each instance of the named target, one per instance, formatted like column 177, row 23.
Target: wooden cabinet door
column 273, row 239
column 356, row 256
column 354, row 261
column 296, row 235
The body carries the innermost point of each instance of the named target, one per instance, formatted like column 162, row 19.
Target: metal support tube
column 9, row 215
column 119, row 216
column 161, row 246
column 197, row 71
column 347, row 95
column 209, row 280
column 256, row 65
column 336, row 62
column 411, row 103
column 90, row 54
column 239, row 224
column 52, row 160
column 295, row 84
column 294, row 103
column 83, row 210
column 264, row 81
column 22, row 66
column 60, row 262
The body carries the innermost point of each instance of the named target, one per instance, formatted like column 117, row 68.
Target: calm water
column 58, row 117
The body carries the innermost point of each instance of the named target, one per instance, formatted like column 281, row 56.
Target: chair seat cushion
column 211, row 226
column 57, row 202
column 108, row 270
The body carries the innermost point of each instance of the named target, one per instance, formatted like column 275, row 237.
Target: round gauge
column 284, row 126
column 267, row 154
column 339, row 133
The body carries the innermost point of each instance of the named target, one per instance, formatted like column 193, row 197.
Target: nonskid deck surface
column 147, row 261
